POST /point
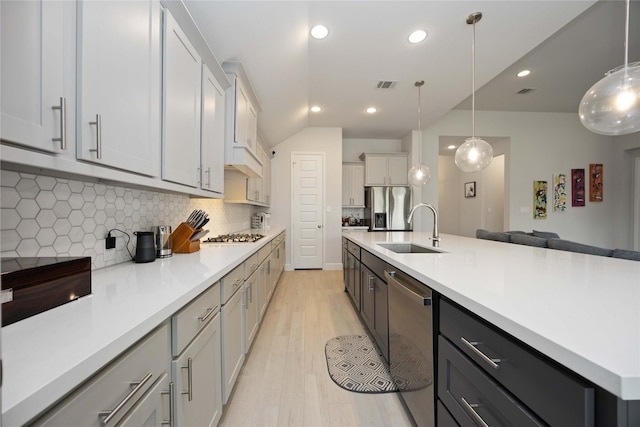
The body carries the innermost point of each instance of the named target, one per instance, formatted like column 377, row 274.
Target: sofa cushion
column 481, row 233
column 546, row 234
column 626, row 254
column 566, row 245
column 516, row 232
column 499, row 236
column 524, row 239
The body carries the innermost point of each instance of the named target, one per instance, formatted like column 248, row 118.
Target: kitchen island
column 581, row 311
column 48, row 355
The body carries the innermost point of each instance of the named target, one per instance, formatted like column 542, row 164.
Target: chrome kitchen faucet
column 436, row 235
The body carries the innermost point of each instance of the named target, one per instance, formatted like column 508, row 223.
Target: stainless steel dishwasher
column 411, row 344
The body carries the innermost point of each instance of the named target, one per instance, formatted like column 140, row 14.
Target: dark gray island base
column 482, row 375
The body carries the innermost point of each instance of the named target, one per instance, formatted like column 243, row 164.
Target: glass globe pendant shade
column 419, row 174
column 473, row 155
column 612, row 105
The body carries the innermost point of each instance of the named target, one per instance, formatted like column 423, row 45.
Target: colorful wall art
column 539, row 199
column 577, row 187
column 595, row 182
column 559, row 192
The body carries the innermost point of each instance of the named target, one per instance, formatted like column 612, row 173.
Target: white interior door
column 307, row 206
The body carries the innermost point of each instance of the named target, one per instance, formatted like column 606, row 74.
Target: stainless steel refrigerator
column 387, row 208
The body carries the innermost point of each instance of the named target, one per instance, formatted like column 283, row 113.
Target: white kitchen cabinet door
column 398, row 170
column 181, row 107
column 376, row 170
column 212, row 148
column 153, row 408
column 252, row 127
column 197, row 378
column 32, row 58
column 242, row 115
column 264, row 286
column 119, row 86
column 232, row 342
column 266, row 180
column 251, row 313
column 353, row 185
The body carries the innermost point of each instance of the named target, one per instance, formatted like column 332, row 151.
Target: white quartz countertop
column 48, row 355
column 582, row 311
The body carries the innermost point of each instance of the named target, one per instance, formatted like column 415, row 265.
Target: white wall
column 543, row 144
column 352, row 148
column 313, row 139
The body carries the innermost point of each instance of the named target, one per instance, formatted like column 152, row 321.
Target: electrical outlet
column 110, row 242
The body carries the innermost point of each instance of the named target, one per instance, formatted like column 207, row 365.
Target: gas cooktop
column 235, row 238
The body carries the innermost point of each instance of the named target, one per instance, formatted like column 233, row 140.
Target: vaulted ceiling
column 568, row 46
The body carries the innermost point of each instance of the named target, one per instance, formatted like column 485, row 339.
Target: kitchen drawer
column 186, row 323
column 556, row 396
column 444, row 418
column 231, row 283
column 264, row 252
column 146, row 362
column 251, row 264
column 374, row 263
column 471, row 395
column 353, row 248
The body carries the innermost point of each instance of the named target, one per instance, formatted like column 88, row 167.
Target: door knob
column 319, row 226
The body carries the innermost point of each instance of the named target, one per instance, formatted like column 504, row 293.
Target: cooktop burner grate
column 235, row 238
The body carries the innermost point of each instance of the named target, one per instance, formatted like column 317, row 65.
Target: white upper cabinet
column 119, row 71
column 353, row 184
column 32, row 53
column 212, row 148
column 181, row 107
column 241, row 122
column 385, row 169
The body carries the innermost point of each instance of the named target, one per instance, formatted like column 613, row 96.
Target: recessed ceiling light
column 451, row 147
column 417, row 36
column 316, row 109
column 319, row 32
column 524, row 73
column 371, row 110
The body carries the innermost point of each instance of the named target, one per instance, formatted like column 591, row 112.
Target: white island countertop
column 582, row 311
column 48, row 355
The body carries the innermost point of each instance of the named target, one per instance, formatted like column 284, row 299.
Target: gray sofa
column 551, row 240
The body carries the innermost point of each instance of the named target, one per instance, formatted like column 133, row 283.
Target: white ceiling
column 289, row 71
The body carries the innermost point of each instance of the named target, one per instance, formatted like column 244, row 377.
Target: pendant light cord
column 473, row 82
column 626, row 38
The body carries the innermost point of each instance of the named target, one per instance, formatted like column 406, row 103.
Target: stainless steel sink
column 409, row 248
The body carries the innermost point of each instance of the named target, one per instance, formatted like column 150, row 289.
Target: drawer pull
column 63, row 123
column 470, row 408
column 108, row 415
column 171, row 408
column 372, row 285
column 98, row 124
column 189, row 369
column 210, row 311
column 472, row 345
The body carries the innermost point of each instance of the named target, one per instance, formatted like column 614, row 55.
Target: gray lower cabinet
column 374, row 307
column 133, row 387
column 352, row 273
column 196, row 367
column 232, row 329
column 251, row 309
column 482, row 364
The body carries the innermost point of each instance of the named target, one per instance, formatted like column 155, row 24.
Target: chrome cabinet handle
column 208, row 172
column 199, row 172
column 63, row 123
column 472, row 345
column 189, row 369
column 470, row 408
column 98, row 124
column 171, row 406
column 108, row 415
column 251, row 292
column 372, row 285
column 208, row 314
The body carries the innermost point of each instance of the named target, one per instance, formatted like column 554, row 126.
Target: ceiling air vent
column 386, row 84
column 525, row 90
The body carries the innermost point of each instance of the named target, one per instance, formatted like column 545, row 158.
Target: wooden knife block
column 180, row 242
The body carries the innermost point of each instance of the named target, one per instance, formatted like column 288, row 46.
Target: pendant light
column 612, row 105
column 419, row 173
column 474, row 154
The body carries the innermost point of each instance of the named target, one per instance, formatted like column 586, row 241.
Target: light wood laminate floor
column 285, row 382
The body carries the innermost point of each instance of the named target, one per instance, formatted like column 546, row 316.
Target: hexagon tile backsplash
column 46, row 216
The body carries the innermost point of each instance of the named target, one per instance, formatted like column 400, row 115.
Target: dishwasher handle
column 408, row 289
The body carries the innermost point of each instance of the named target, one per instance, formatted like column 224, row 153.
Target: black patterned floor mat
column 355, row 364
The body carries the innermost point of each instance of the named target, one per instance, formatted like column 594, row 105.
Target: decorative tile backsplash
column 46, row 216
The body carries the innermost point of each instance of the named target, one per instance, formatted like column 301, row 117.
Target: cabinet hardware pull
column 472, row 345
column 189, row 369
column 208, row 314
column 170, row 392
column 371, row 285
column 251, row 292
column 470, row 408
column 108, row 415
column 208, row 172
column 98, row 124
column 63, row 123
column 199, row 176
